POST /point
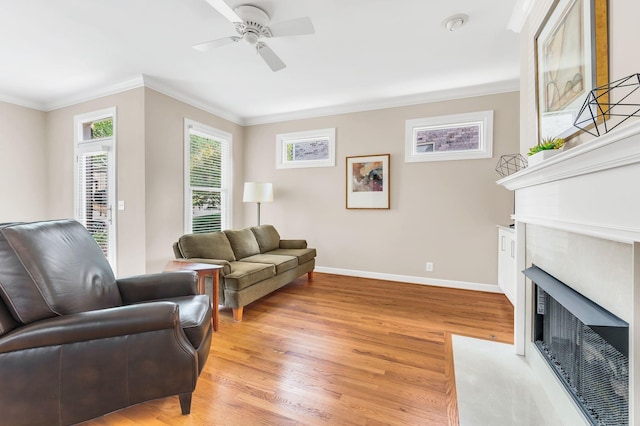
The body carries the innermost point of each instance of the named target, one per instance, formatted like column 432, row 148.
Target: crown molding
column 23, row 102
column 123, row 86
column 520, row 13
column 421, row 98
column 155, row 84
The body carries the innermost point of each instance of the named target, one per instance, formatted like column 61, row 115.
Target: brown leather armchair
column 76, row 343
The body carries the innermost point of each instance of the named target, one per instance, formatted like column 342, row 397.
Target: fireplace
column 586, row 346
column 577, row 216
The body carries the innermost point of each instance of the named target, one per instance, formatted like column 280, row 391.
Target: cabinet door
column 507, row 263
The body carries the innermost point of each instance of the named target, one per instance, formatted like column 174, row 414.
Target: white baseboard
column 463, row 285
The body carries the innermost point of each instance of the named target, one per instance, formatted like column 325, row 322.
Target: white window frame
column 483, row 119
column 226, row 190
column 107, row 145
column 283, row 139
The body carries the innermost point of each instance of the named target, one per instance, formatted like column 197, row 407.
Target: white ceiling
column 364, row 54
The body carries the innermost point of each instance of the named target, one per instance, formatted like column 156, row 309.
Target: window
column 449, row 137
column 312, row 148
column 95, row 189
column 207, row 178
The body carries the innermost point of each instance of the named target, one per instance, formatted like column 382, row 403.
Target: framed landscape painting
column 368, row 182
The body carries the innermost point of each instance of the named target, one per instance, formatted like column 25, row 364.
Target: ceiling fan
column 252, row 25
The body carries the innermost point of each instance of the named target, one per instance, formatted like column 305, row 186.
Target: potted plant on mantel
column 546, row 148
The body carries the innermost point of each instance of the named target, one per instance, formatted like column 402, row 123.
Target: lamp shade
column 257, row 192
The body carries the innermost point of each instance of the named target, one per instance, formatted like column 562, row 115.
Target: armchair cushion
column 7, row 323
column 47, row 271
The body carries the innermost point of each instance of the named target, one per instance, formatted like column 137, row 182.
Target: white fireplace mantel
column 591, row 189
column 594, row 190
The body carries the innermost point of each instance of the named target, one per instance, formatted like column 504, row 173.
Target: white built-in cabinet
column 507, row 262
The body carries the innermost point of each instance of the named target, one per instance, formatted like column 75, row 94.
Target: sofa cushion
column 208, row 245
column 243, row 243
column 281, row 262
column 246, row 274
column 53, row 268
column 303, row 255
column 267, row 237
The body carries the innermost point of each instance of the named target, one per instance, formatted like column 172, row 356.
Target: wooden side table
column 203, row 270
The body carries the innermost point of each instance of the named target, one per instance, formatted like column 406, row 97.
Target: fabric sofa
column 255, row 262
column 76, row 343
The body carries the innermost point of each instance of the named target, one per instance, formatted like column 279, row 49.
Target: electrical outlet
column 429, row 267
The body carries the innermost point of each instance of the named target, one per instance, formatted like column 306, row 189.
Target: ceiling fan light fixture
column 454, row 22
column 250, row 38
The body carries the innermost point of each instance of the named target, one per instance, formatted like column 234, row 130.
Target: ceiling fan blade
column 270, row 57
column 300, row 26
column 224, row 10
column 208, row 45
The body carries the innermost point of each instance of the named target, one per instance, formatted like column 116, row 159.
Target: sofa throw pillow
column 243, row 242
column 267, row 236
column 208, row 245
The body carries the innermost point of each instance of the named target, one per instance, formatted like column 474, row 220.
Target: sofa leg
column 185, row 403
column 237, row 313
column 310, row 276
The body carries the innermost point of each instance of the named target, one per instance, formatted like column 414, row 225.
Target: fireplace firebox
column 585, row 345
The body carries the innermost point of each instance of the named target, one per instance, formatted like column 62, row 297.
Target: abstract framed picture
column 309, row 148
column 368, row 182
column 465, row 136
column 571, row 59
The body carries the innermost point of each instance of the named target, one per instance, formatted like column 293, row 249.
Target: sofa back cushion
column 243, row 242
column 53, row 268
column 207, row 245
column 267, row 237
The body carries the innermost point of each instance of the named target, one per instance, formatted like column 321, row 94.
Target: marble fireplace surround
column 577, row 216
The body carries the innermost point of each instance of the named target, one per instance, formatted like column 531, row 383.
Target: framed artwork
column 310, row 148
column 571, row 59
column 449, row 137
column 368, row 182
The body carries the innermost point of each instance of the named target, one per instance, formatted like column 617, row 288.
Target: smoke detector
column 454, row 22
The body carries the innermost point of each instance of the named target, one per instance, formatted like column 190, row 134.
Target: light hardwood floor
column 335, row 351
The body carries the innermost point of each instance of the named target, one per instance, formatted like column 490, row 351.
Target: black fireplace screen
column 594, row 372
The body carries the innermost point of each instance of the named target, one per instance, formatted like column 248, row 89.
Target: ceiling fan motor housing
column 255, row 24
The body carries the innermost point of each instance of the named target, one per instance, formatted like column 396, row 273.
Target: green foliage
column 545, row 144
column 102, row 129
column 289, row 152
column 205, row 170
column 204, row 167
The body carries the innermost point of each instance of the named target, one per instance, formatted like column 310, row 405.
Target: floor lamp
column 257, row 192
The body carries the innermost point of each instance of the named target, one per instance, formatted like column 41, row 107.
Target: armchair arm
column 93, row 325
column 163, row 285
column 293, row 244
